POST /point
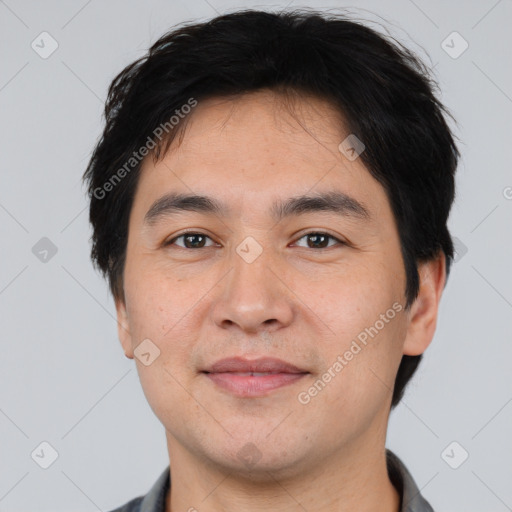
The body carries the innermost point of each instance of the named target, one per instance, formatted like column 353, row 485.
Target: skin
column 296, row 302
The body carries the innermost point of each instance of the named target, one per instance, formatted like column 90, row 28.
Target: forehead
column 256, row 145
column 290, row 111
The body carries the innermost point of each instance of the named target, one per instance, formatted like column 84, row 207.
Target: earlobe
column 424, row 310
column 123, row 329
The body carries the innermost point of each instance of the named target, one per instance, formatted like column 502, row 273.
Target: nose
column 252, row 298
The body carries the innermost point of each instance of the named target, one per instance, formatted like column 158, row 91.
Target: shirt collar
column 154, row 500
column 411, row 498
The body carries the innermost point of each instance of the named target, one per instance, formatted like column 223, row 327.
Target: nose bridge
column 253, row 297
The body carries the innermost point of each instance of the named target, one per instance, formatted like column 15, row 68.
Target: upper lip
column 260, row 365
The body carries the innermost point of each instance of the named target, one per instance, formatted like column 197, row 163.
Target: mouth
column 253, row 378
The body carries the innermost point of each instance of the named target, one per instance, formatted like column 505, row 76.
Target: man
column 269, row 203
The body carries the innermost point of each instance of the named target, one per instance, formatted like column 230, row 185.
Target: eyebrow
column 335, row 202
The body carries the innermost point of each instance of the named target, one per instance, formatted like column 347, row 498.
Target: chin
column 260, row 461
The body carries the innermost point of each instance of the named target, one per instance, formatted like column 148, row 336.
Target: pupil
column 190, row 237
column 318, row 238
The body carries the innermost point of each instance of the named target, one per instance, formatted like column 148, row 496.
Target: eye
column 191, row 240
column 319, row 240
column 194, row 240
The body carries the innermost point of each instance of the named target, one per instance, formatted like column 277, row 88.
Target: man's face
column 249, row 284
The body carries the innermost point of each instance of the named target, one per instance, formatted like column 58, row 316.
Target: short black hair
column 385, row 93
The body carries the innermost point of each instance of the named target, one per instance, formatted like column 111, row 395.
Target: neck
column 356, row 479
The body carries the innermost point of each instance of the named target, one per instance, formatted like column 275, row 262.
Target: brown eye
column 190, row 240
column 319, row 240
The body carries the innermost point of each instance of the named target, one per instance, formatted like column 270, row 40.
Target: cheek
column 360, row 379
column 346, row 299
column 167, row 310
column 159, row 309
column 158, row 301
column 362, row 315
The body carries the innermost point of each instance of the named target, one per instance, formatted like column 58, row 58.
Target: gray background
column 64, row 377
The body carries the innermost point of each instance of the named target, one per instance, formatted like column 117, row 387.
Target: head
column 251, row 110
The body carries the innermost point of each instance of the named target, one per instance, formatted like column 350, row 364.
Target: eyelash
column 182, row 235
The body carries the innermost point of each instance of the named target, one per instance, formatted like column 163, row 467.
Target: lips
column 253, row 378
column 263, row 365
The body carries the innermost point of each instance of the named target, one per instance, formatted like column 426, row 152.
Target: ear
column 424, row 310
column 123, row 328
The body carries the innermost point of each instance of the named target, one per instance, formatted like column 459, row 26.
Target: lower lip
column 250, row 386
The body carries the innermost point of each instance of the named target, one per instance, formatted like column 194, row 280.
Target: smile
column 252, row 384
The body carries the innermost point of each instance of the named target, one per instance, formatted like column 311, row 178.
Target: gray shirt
column 411, row 498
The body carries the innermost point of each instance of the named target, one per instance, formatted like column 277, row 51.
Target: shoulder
column 130, row 506
column 154, row 500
